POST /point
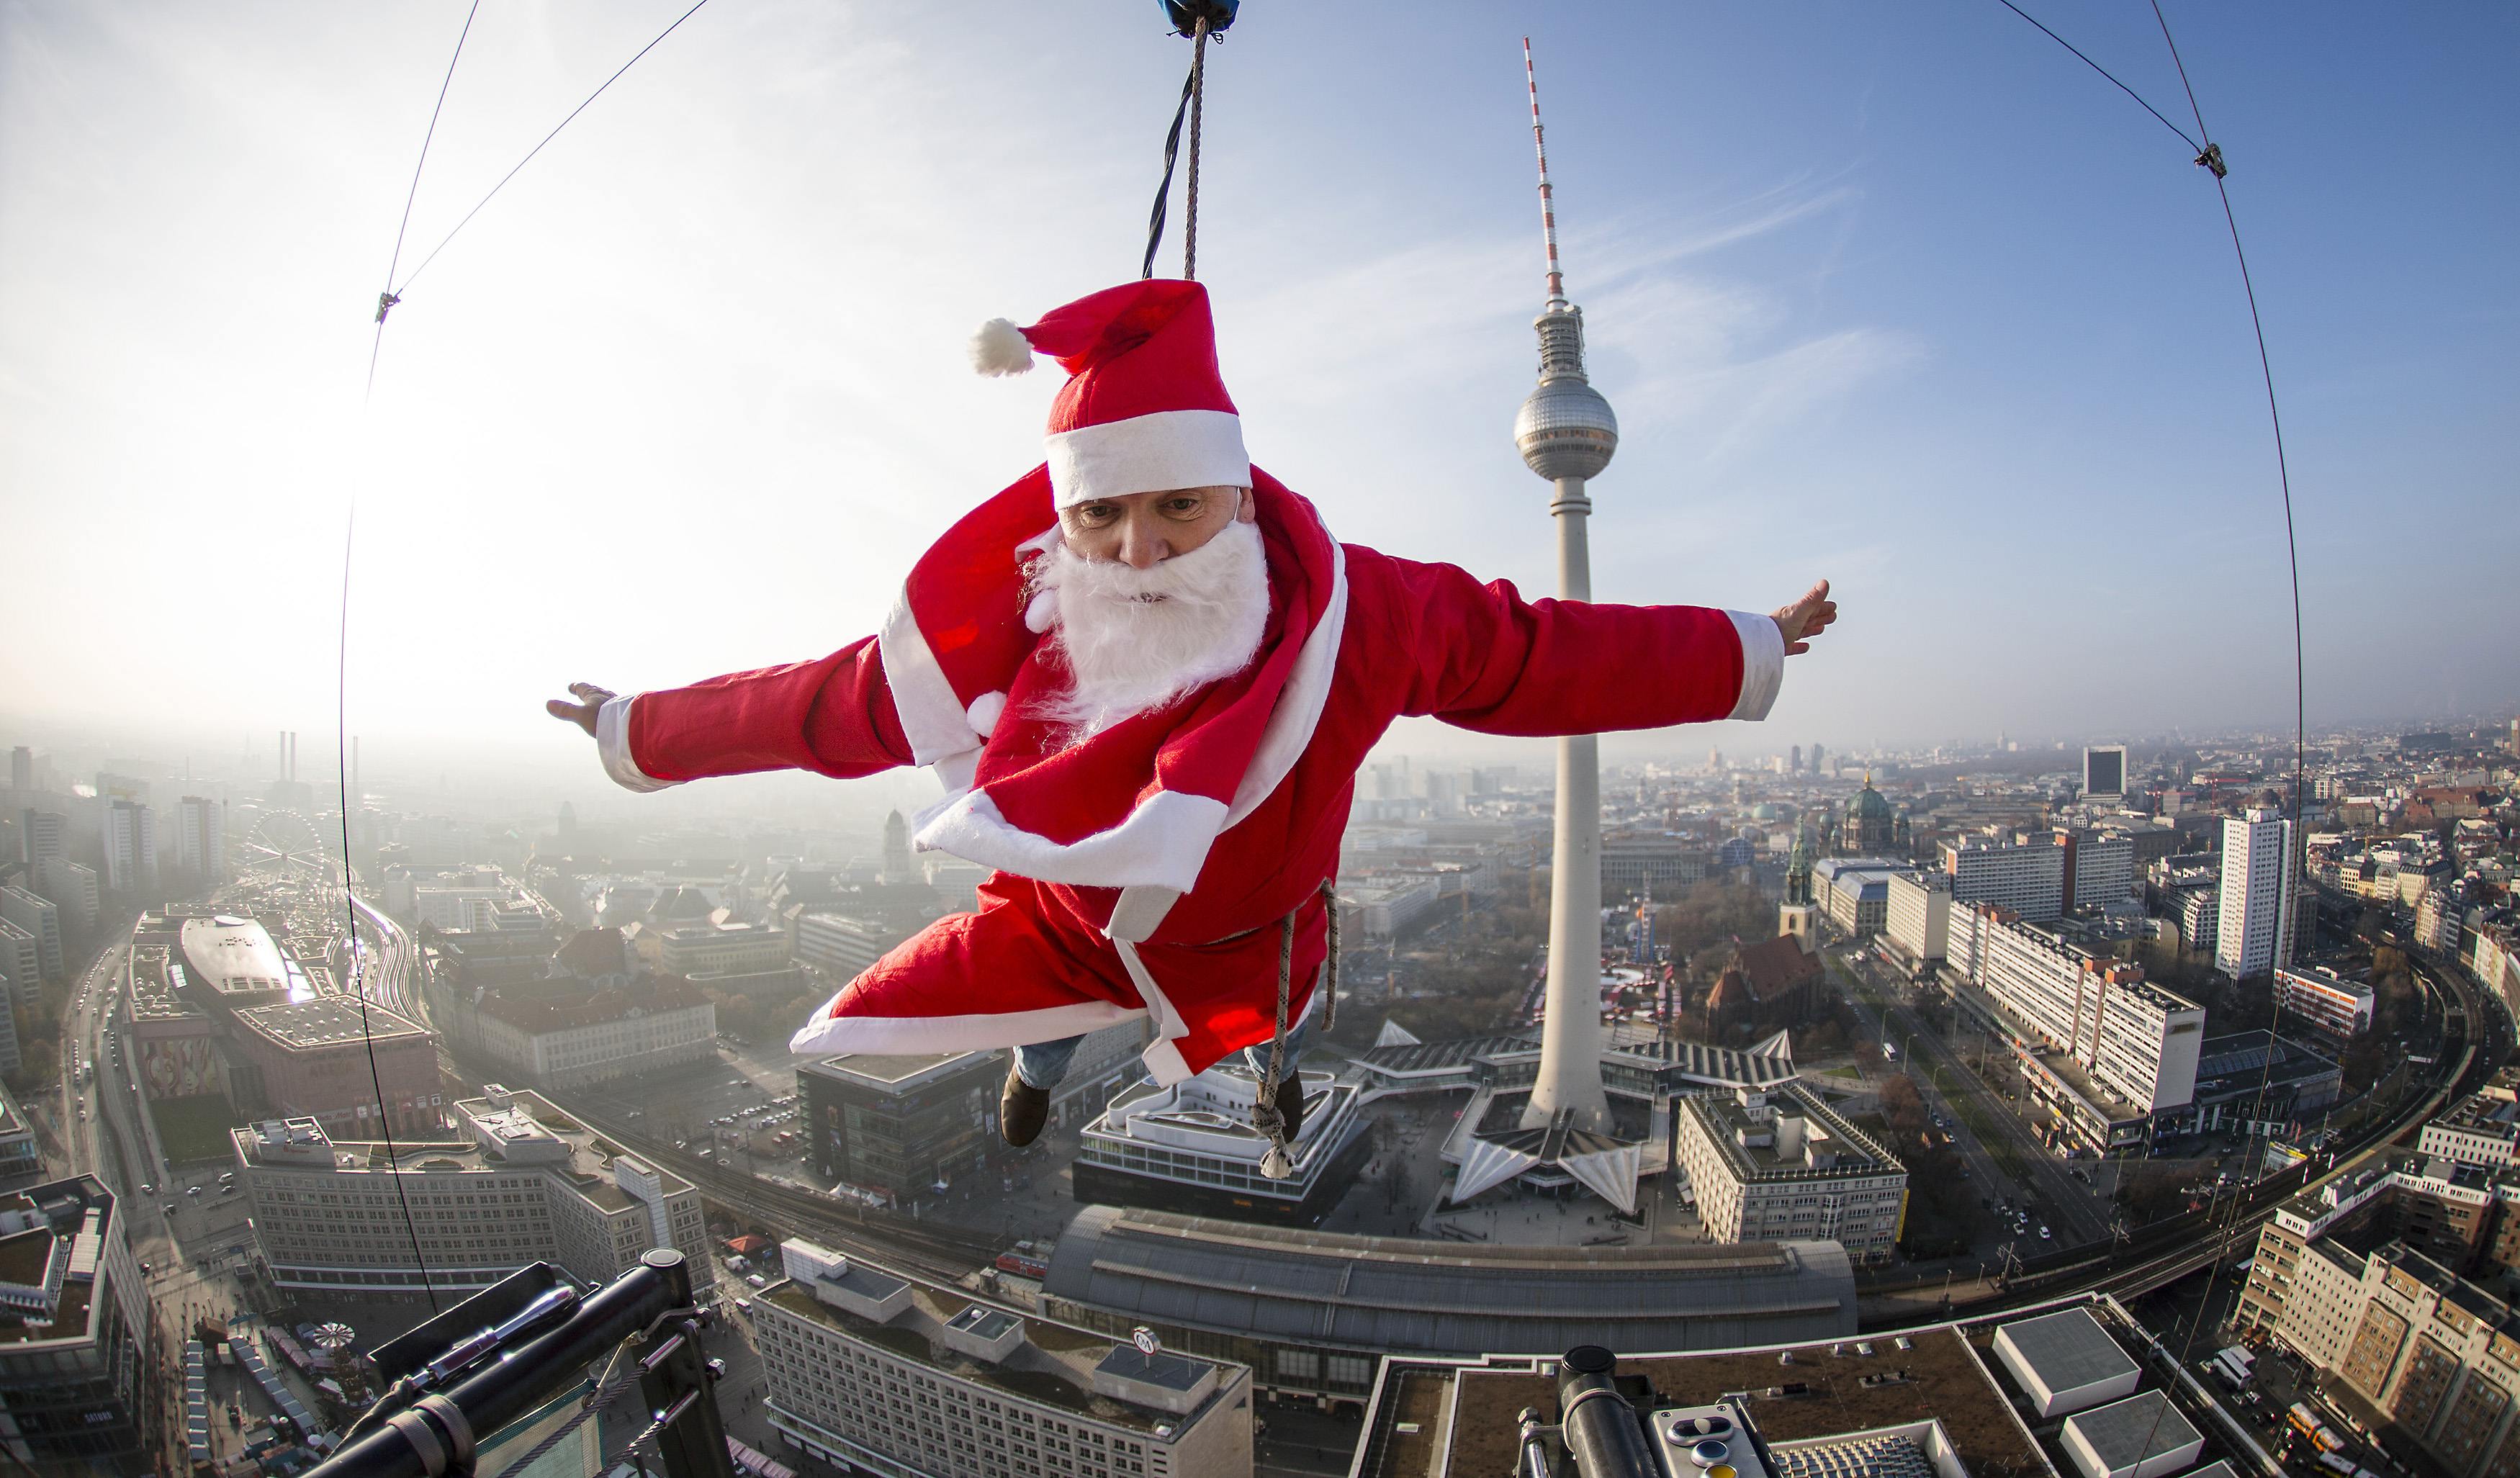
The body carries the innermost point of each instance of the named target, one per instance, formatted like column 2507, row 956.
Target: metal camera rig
column 1617, row 1426
column 510, row 1349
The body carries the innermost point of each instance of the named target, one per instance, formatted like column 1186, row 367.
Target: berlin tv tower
column 1568, row 433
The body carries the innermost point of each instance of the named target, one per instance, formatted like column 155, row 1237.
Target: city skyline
column 1840, row 344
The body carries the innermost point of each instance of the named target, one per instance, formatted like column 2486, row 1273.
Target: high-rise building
column 1794, row 765
column 201, row 846
column 2254, row 933
column 74, row 1367
column 71, row 890
column 21, row 770
column 39, row 919
column 1917, row 919
column 2104, row 772
column 1816, row 757
column 43, row 834
column 2026, row 877
column 130, row 847
column 892, row 1125
column 2098, row 868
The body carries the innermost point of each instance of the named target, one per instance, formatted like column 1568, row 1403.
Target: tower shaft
column 1570, row 1033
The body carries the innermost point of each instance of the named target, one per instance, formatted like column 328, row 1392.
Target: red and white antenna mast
column 1547, row 205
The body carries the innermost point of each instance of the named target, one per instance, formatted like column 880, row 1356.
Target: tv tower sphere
column 1564, row 428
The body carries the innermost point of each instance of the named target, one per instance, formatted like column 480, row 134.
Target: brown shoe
column 1022, row 1109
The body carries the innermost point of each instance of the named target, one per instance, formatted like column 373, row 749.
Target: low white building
column 2338, row 1008
column 524, row 1184
column 874, row 1372
column 1782, row 1166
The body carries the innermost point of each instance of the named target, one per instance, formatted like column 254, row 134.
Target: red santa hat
column 1145, row 407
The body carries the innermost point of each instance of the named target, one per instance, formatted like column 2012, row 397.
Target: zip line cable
column 341, row 675
column 538, row 148
column 385, row 302
column 386, row 298
column 2209, row 156
column 2104, row 71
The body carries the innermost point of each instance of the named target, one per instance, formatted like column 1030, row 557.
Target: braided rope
column 1190, row 205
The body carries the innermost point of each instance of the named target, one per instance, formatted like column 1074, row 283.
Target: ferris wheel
column 282, row 840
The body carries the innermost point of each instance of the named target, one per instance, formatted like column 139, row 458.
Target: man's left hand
column 1806, row 618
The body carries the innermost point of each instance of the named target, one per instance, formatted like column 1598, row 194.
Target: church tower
column 1798, row 915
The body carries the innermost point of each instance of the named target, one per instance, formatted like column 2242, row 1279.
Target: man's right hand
column 590, row 701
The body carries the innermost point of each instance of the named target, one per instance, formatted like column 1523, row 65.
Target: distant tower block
column 1568, row 434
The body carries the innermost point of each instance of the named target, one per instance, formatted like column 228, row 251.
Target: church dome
column 1869, row 804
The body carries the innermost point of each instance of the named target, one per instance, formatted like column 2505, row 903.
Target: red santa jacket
column 1035, row 963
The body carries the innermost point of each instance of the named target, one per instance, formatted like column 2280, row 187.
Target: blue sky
column 1903, row 294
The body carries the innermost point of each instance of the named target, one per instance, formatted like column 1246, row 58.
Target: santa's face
column 1154, row 595
column 1144, row 530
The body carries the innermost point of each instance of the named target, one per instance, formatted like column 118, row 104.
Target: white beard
column 1139, row 638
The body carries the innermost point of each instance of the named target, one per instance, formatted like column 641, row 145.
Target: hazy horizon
column 1909, row 299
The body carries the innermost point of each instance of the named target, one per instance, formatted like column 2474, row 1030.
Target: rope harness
column 1190, row 108
column 1267, row 1114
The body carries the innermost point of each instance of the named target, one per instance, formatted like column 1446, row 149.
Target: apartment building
column 2254, row 932
column 2106, row 1048
column 526, row 1184
column 2433, row 1356
column 2334, row 1007
column 201, row 838
column 2026, row 877
column 2098, row 868
column 1779, row 1166
column 71, row 888
column 869, row 1371
column 41, row 921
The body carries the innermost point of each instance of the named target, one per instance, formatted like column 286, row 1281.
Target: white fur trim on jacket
column 1763, row 664
column 976, row 1032
column 1299, row 703
column 1165, row 840
column 612, row 742
column 932, row 718
column 1147, row 454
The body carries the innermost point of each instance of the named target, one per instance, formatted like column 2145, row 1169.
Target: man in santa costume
column 1146, row 675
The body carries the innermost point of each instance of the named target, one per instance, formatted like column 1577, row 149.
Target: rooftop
column 52, row 1248
column 234, row 955
column 1788, row 1134
column 894, row 1072
column 326, row 1022
column 510, row 1131
column 2068, row 1350
column 1824, row 1391
column 1462, row 1298
column 1053, row 1366
column 2138, row 1429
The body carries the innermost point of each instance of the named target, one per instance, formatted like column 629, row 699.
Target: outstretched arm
column 1482, row 658
column 834, row 716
